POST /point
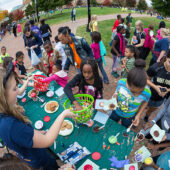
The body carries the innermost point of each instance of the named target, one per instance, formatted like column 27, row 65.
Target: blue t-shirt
column 18, row 136
column 164, row 160
column 128, row 104
column 160, row 45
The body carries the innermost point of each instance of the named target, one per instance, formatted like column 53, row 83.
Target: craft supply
column 104, row 146
column 23, row 100
column 138, row 157
column 60, row 92
column 102, row 127
column 148, row 161
column 144, row 152
column 46, row 118
column 43, row 104
column 89, row 162
column 54, row 145
column 108, row 147
column 118, row 164
column 88, row 167
column 50, row 94
column 112, row 139
column 96, row 129
column 73, row 153
column 101, row 117
column 133, row 166
column 38, row 124
column 89, row 123
column 128, row 130
column 140, row 136
column 117, row 143
column 96, row 156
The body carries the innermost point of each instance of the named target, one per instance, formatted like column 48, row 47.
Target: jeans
column 100, row 64
column 125, row 121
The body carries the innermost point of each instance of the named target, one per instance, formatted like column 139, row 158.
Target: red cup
column 88, row 167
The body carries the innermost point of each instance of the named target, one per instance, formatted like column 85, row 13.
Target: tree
column 29, row 10
column 120, row 3
column 130, row 3
column 107, row 3
column 93, row 2
column 79, row 3
column 18, row 14
column 162, row 6
column 142, row 5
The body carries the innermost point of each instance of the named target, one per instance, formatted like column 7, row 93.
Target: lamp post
column 36, row 9
column 89, row 15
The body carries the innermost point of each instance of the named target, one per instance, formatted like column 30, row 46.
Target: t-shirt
column 96, row 50
column 129, row 65
column 128, row 104
column 160, row 45
column 117, row 46
column 77, row 59
column 21, row 68
column 129, row 19
column 2, row 57
column 36, row 30
column 127, row 33
column 137, row 36
column 159, row 77
column 115, row 25
column 18, row 137
column 164, row 160
column 94, row 26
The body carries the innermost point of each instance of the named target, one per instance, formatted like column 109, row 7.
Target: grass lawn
column 105, row 28
column 65, row 16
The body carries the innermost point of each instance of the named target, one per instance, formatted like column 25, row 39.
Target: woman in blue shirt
column 161, row 47
column 16, row 131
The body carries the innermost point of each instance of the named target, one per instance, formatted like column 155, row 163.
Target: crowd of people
column 139, row 92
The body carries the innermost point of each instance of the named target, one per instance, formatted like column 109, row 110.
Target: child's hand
column 68, row 113
column 77, row 106
column 151, row 146
column 136, row 121
column 147, row 125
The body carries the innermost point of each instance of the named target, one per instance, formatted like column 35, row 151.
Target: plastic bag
column 34, row 58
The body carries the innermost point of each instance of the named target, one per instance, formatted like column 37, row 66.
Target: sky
column 9, row 4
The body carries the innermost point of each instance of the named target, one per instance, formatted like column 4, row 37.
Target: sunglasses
column 8, row 73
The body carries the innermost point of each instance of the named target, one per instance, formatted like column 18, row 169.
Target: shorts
column 156, row 104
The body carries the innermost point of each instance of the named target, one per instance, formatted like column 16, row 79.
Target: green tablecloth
column 83, row 135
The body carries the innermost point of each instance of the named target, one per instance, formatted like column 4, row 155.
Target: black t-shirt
column 117, row 46
column 159, row 77
column 21, row 69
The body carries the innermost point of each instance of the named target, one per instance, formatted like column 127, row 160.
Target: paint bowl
column 140, row 136
column 132, row 167
column 148, row 161
column 50, row 94
column 138, row 157
column 88, row 167
column 112, row 139
column 38, row 124
column 96, row 129
column 89, row 123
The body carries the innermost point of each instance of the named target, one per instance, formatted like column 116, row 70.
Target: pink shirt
column 159, row 34
column 60, row 77
column 149, row 43
column 96, row 50
column 19, row 27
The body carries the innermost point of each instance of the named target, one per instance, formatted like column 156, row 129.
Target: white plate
column 50, row 93
column 51, row 111
column 154, row 128
column 108, row 102
column 67, row 132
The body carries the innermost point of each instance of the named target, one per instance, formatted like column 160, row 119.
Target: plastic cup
column 148, row 161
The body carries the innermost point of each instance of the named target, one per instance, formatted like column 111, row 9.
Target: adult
column 149, row 43
column 45, row 31
column 138, row 38
column 19, row 29
column 73, row 14
column 76, row 48
column 160, row 76
column 162, row 119
column 129, row 19
column 9, row 28
column 161, row 47
column 33, row 41
column 16, row 130
column 161, row 25
column 14, row 27
column 35, row 29
column 50, row 56
column 115, row 25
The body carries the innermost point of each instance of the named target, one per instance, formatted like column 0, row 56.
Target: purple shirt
column 36, row 30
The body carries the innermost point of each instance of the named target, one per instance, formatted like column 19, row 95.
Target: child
column 16, row 130
column 59, row 47
column 128, row 32
column 93, row 24
column 88, row 81
column 3, row 54
column 131, row 54
column 115, row 25
column 132, row 96
column 58, row 74
column 19, row 65
column 118, row 49
column 19, row 29
column 96, row 38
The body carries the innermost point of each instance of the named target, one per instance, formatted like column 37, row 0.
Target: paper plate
column 21, row 96
column 107, row 103
column 67, row 132
column 161, row 132
column 48, row 111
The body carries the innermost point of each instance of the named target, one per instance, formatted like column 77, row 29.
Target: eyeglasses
column 8, row 73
